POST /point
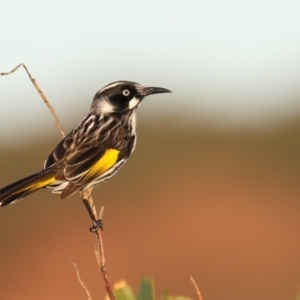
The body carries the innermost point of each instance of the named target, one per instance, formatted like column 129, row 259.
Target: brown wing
column 86, row 144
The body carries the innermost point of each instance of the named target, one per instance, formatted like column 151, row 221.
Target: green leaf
column 164, row 295
column 298, row 296
column 122, row 291
column 146, row 289
column 178, row 298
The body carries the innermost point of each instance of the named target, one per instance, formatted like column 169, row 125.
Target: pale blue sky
column 227, row 62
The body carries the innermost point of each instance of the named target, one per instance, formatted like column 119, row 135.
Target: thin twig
column 40, row 93
column 99, row 240
column 93, row 206
column 99, row 252
column 99, row 248
column 194, row 284
column 80, row 280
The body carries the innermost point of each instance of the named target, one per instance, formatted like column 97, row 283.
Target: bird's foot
column 97, row 224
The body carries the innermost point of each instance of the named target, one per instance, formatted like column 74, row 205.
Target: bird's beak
column 153, row 90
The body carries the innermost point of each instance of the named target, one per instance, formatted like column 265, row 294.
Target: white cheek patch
column 133, row 103
column 105, row 107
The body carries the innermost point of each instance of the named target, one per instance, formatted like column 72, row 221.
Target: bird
column 94, row 150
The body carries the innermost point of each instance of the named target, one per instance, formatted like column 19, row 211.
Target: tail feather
column 23, row 187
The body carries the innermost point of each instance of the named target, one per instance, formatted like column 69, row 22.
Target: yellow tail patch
column 45, row 182
column 38, row 184
column 107, row 161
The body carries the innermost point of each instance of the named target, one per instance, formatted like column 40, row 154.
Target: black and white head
column 121, row 96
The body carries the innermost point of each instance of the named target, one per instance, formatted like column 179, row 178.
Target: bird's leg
column 96, row 223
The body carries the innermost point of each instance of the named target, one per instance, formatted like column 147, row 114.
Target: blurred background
column 212, row 189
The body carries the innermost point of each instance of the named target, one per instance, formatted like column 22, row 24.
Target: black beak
column 153, row 90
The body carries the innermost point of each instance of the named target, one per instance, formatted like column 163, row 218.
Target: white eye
column 126, row 92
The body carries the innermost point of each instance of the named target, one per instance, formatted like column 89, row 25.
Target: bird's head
column 120, row 96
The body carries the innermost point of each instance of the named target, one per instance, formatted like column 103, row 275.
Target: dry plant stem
column 92, row 204
column 99, row 252
column 99, row 240
column 99, row 249
column 40, row 93
column 194, row 284
column 80, row 280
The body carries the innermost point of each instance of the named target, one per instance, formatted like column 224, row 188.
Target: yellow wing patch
column 106, row 161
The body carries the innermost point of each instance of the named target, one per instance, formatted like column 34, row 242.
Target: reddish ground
column 223, row 208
